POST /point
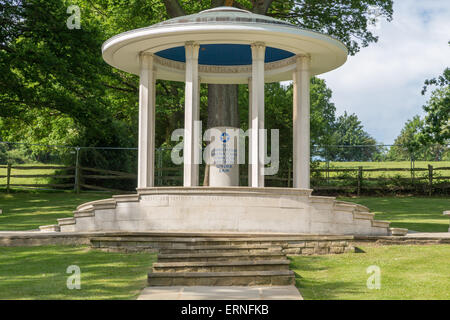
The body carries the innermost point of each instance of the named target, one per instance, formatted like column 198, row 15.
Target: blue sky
column 382, row 83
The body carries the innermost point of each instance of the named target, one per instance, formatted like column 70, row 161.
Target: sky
column 382, row 83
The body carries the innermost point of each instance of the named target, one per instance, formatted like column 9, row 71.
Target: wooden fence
column 355, row 180
column 432, row 179
column 8, row 185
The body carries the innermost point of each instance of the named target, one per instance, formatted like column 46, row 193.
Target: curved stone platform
column 224, row 209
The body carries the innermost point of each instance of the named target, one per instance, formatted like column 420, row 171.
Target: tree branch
column 217, row 3
column 261, row 6
column 174, row 8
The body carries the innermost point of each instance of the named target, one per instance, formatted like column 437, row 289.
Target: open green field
column 385, row 164
column 390, row 165
column 27, row 180
column 41, row 273
column 407, row 272
column 333, row 165
column 414, row 213
column 29, row 210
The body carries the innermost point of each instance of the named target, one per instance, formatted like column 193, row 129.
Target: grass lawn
column 40, row 273
column 407, row 272
column 29, row 210
column 414, row 213
column 16, row 171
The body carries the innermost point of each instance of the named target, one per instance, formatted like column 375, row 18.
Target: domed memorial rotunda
column 224, row 45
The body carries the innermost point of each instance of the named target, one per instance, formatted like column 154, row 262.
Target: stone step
column 236, row 249
column 398, row 231
column 50, row 228
column 66, row 224
column 241, row 278
column 380, row 224
column 220, row 256
column 222, row 266
column 66, row 221
column 363, row 215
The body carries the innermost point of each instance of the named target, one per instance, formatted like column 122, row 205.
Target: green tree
column 407, row 145
column 278, row 114
column 350, row 142
column 436, row 128
column 49, row 72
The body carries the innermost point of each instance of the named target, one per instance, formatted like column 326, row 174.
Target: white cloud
column 382, row 83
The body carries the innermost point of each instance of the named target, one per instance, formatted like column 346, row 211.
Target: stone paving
column 221, row 293
column 434, row 235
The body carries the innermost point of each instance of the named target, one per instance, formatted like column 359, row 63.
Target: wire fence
column 334, row 169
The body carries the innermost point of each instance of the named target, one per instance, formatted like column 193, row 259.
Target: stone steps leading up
column 220, row 256
column 221, row 262
column 222, row 266
column 240, row 278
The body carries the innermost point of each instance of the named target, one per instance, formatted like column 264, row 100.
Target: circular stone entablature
column 225, row 35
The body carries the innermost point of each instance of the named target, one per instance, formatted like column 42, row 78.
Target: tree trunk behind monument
column 223, row 108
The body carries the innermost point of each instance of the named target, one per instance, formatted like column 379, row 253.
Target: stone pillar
column 191, row 114
column 249, row 127
column 257, row 113
column 146, row 150
column 301, row 119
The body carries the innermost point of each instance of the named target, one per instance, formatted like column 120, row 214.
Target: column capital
column 146, row 54
column 192, row 43
column 192, row 49
column 146, row 60
column 258, row 44
column 258, row 50
column 303, row 61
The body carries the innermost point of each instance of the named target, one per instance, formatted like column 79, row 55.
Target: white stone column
column 191, row 114
column 301, row 122
column 249, row 127
column 257, row 114
column 146, row 150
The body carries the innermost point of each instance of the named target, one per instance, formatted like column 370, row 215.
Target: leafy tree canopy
column 348, row 131
column 55, row 87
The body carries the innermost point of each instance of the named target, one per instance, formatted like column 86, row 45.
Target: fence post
column 77, row 171
column 8, row 177
column 412, row 169
column 430, row 179
column 328, row 172
column 360, row 175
